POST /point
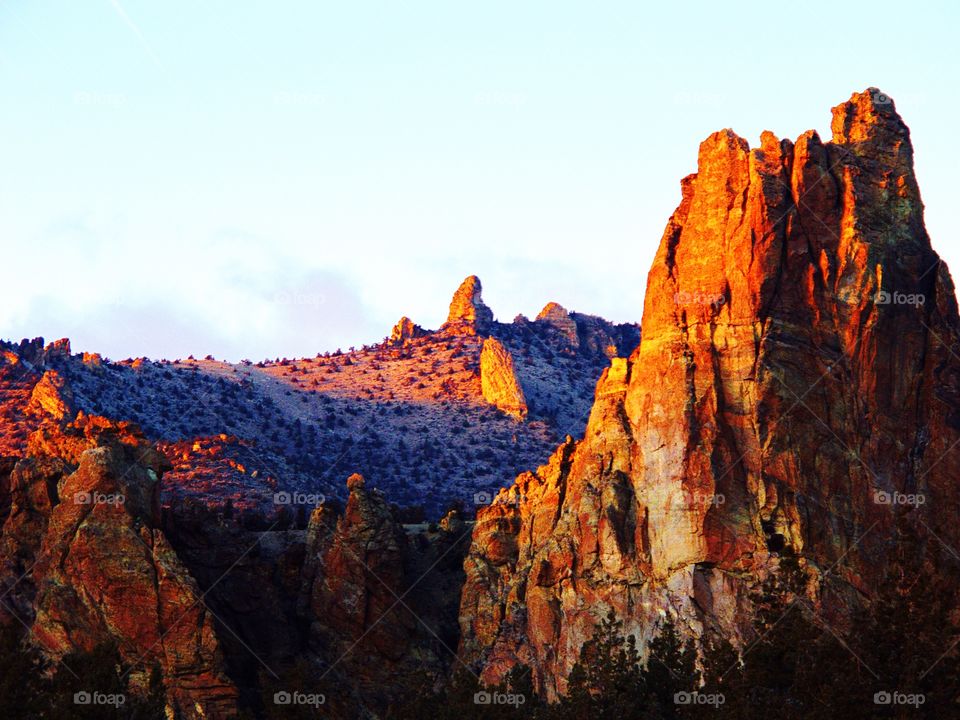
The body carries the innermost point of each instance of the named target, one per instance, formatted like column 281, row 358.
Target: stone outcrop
column 468, row 314
column 86, row 563
column 381, row 605
column 556, row 316
column 57, row 349
column 498, row 380
column 588, row 334
column 596, row 335
column 52, row 397
column 406, row 329
column 37, row 354
column 795, row 387
column 31, row 350
column 362, row 574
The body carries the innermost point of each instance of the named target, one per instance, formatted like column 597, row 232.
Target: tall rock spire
column 468, row 313
column 797, row 376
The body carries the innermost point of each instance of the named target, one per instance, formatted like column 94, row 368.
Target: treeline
column 81, row 686
column 896, row 660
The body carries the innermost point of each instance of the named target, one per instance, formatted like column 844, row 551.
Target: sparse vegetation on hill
column 409, row 412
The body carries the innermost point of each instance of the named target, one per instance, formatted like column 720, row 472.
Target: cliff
column 795, row 390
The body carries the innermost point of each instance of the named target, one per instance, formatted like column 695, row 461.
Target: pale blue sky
column 256, row 179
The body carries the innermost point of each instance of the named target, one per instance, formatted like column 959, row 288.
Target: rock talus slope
column 795, row 389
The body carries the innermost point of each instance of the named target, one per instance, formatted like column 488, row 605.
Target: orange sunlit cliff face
column 779, row 386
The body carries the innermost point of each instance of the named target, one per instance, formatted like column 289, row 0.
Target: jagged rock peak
column 35, row 353
column 356, row 482
column 867, row 115
column 553, row 311
column 555, row 315
column 406, row 329
column 786, row 268
column 467, row 308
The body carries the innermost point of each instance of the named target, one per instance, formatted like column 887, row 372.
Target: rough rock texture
column 468, row 314
column 382, row 605
column 797, row 369
column 24, row 405
column 84, row 562
column 557, row 316
column 363, row 571
column 406, row 329
column 52, row 396
column 498, row 379
column 35, row 353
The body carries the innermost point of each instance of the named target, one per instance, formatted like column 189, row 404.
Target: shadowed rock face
column 794, row 387
column 86, row 558
column 362, row 576
column 382, row 604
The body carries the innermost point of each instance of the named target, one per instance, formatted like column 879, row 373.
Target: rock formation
column 85, row 563
column 556, row 316
column 52, row 396
column 37, row 354
column 796, row 389
column 381, row 606
column 498, row 380
column 468, row 314
column 362, row 574
column 406, row 329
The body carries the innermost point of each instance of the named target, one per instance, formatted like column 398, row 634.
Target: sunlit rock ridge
column 796, row 389
column 427, row 415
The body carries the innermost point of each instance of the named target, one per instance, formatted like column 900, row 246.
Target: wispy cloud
column 140, row 37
